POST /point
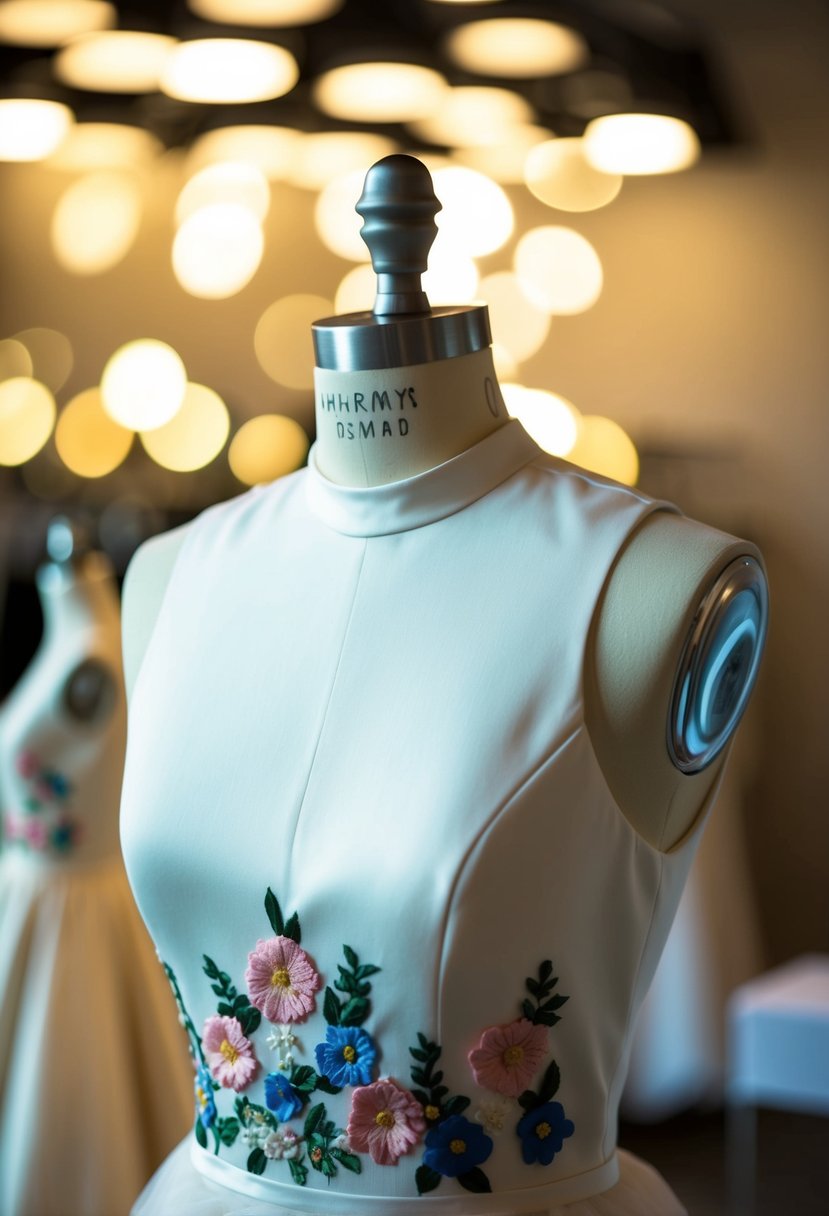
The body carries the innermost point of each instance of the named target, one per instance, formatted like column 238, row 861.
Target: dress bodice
column 407, row 925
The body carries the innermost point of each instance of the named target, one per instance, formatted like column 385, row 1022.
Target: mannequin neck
column 76, row 596
column 379, row 426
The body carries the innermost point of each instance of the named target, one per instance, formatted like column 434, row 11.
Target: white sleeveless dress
column 407, row 925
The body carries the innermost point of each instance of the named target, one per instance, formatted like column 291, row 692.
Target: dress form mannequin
column 80, row 1129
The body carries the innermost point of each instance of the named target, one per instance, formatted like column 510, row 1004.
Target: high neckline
column 400, row 506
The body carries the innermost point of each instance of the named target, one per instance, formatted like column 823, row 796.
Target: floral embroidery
column 353, row 982
column 232, row 1004
column 280, row 977
column 229, row 1054
column 45, row 824
column 493, row 1113
column 508, row 1057
column 455, row 1148
column 386, row 1121
column 282, row 1146
column 440, row 1108
column 205, row 1104
column 284, row 1101
column 543, row 1131
column 282, row 1039
column 347, row 1056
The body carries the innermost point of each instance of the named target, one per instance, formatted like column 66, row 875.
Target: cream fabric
column 370, row 701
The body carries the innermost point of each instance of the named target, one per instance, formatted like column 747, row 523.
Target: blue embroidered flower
column 456, row 1146
column 205, row 1104
column 281, row 1097
column 543, row 1132
column 346, row 1057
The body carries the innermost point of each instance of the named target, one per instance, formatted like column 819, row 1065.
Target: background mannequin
column 80, row 1126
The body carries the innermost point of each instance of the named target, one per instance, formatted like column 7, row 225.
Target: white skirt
column 179, row 1188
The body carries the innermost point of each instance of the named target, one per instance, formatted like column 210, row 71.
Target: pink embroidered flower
column 281, row 980
column 229, row 1054
column 385, row 1121
column 508, row 1057
column 35, row 833
column 27, row 763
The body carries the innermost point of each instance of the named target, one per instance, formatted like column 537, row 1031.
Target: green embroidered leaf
column 355, row 1012
column 528, row 1100
column 351, row 958
column 346, row 982
column 299, row 1172
column 201, row 1134
column 426, row 1179
column 249, row 1019
column 422, row 1097
column 532, row 986
column 555, row 1002
column 361, row 989
column 331, row 1007
column 223, row 1009
column 303, row 1078
column 257, row 1162
column 241, row 1002
column 274, row 913
column 241, row 1108
column 419, row 1077
column 228, row 1129
column 549, row 1083
column 437, row 1078
column 219, row 989
column 545, row 970
column 365, row 970
column 423, row 1041
column 546, row 1019
column 418, row 1055
column 349, row 1161
column 439, row 1091
column 316, row 1140
column 455, row 1106
column 475, row 1180
column 528, row 1010
column 327, row 1166
column 315, row 1116
column 292, row 928
column 209, row 968
column 327, row 1086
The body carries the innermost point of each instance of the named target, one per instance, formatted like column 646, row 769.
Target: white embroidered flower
column 493, row 1113
column 292, row 1144
column 342, row 1143
column 282, row 1039
column 255, row 1136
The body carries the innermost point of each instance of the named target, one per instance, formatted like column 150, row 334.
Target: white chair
column 778, row 1056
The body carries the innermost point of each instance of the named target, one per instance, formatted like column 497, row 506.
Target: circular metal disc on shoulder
column 362, row 341
column 719, row 665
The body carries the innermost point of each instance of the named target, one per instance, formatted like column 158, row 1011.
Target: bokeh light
column 337, row 223
column 379, row 92
column 451, row 276
column 476, row 215
column 47, row 23
column 324, row 155
column 15, row 359
column 604, row 447
column 27, row 415
column 516, row 47
column 228, row 71
column 115, row 61
column 559, row 269
column 105, row 145
column 471, row 115
column 265, row 12
column 194, row 435
column 88, row 440
column 283, row 341
column 217, row 250
column 560, row 175
column 636, row 144
column 521, row 326
column 270, row 149
column 30, row 128
column 503, row 158
column 96, row 221
column 225, row 182
column 357, row 290
column 143, row 384
column 551, row 420
column 267, row 447
column 50, row 353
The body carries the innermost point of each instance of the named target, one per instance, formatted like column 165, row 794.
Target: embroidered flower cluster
column 386, row 1120
column 45, row 824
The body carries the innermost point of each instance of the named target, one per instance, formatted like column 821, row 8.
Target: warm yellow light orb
column 283, row 342
column 27, row 415
column 503, row 157
column 194, row 436
column 519, row 324
column 225, row 182
column 228, row 71
column 516, row 47
column 270, row 149
column 636, row 144
column 379, row 92
column 217, row 251
column 476, row 215
column 265, row 13
column 105, row 145
column 15, row 360
column 470, row 115
column 357, row 290
column 551, row 420
column 50, row 353
column 115, row 61
column 560, row 175
column 96, row 221
column 604, row 447
column 559, row 269
column 337, row 223
column 325, row 155
column 88, row 440
column 267, row 447
column 31, row 129
column 451, row 276
column 46, row 23
column 143, row 384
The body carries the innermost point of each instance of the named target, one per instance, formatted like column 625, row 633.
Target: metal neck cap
column 398, row 206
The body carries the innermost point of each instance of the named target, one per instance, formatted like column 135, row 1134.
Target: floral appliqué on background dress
column 44, row 824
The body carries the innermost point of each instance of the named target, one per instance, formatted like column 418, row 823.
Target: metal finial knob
column 398, row 206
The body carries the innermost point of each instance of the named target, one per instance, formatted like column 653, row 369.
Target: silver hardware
column 718, row 666
column 398, row 206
